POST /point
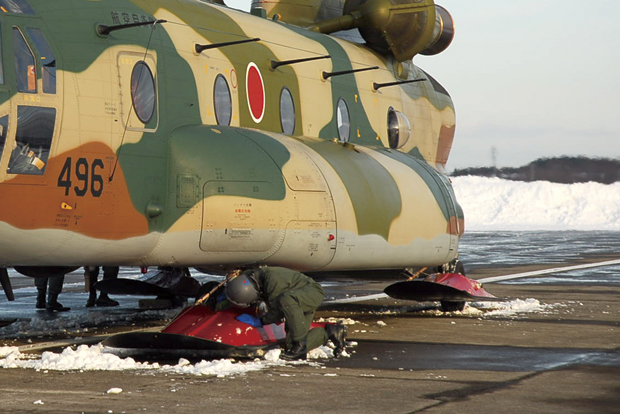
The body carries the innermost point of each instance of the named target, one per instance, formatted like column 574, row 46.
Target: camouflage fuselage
column 182, row 190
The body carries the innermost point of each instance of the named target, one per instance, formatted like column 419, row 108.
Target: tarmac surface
column 409, row 358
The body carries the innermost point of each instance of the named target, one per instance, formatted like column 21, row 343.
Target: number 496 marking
column 86, row 175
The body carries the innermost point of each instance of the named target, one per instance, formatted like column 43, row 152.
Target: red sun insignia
column 255, row 90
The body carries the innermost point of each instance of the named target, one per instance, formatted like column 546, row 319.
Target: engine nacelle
column 443, row 33
column 402, row 27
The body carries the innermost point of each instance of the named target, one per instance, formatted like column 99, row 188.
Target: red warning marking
column 255, row 90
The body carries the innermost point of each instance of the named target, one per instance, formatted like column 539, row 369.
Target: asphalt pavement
column 409, row 358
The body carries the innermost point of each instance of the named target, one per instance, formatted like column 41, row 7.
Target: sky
column 529, row 79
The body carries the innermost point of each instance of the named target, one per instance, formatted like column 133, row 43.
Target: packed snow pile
column 513, row 307
column 509, row 309
column 496, row 204
column 95, row 358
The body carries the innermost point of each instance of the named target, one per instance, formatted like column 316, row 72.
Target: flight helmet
column 244, row 290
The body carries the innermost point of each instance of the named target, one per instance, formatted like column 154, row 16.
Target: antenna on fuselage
column 277, row 63
column 200, row 48
column 377, row 86
column 104, row 30
column 327, row 75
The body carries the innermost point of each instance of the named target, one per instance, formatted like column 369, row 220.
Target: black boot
column 104, row 300
column 54, row 305
column 337, row 333
column 41, row 303
column 296, row 351
column 41, row 284
column 91, row 300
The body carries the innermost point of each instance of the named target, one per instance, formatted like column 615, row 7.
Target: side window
column 344, row 121
column 222, row 101
column 35, row 129
column 48, row 60
column 143, row 91
column 25, row 70
column 287, row 112
column 16, row 6
column 4, row 127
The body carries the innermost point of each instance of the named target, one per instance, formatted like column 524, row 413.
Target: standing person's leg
column 109, row 272
column 41, row 284
column 91, row 274
column 54, row 289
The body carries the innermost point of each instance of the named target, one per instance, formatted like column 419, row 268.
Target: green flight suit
column 293, row 296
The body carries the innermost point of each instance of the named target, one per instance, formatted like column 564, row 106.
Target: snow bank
column 94, row 358
column 496, row 204
column 510, row 309
column 514, row 307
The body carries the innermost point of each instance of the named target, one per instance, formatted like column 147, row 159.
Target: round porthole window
column 143, row 91
column 399, row 129
column 344, row 121
column 287, row 112
column 222, row 101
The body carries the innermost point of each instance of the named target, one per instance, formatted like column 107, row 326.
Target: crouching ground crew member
column 291, row 296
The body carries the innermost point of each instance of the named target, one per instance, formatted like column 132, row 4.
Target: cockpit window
column 16, row 6
column 4, row 127
column 35, row 129
column 48, row 60
column 25, row 69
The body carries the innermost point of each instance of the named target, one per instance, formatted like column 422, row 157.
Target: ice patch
column 81, row 321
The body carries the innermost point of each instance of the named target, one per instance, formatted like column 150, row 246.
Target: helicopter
column 184, row 133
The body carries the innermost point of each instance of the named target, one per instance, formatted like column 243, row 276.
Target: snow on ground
column 513, row 308
column 96, row 358
column 77, row 322
column 510, row 309
column 496, row 204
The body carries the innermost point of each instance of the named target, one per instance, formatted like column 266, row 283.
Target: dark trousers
column 92, row 272
column 55, row 286
column 298, row 307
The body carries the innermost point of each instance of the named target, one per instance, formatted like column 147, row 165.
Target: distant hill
column 566, row 170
